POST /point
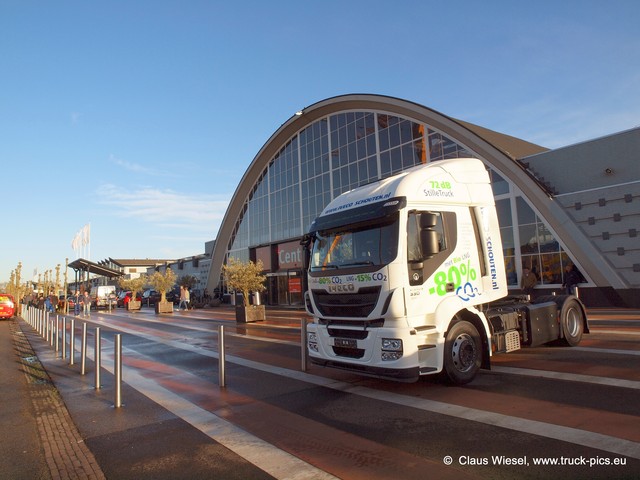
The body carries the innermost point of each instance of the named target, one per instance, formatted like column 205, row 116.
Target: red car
column 8, row 306
column 125, row 297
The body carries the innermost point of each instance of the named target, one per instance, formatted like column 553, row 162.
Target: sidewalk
column 39, row 440
column 56, row 425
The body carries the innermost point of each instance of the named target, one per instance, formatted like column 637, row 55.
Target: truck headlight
column 394, row 344
column 391, row 349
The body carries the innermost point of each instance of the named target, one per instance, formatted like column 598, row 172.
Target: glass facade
column 348, row 149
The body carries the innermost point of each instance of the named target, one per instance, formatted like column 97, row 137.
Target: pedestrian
column 183, row 298
column 571, row 279
column 529, row 281
column 187, row 298
column 47, row 304
column 76, row 304
column 87, row 304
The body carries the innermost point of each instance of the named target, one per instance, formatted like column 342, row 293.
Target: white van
column 102, row 294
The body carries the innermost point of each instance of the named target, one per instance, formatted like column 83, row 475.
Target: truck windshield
column 365, row 245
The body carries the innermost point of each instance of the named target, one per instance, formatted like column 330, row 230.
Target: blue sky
column 140, row 117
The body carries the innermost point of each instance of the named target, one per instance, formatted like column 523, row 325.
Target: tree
column 133, row 284
column 245, row 277
column 163, row 282
column 187, row 281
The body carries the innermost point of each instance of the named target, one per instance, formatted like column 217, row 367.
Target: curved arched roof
column 498, row 150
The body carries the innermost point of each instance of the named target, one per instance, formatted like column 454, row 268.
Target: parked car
column 150, row 297
column 173, row 295
column 124, row 297
column 8, row 306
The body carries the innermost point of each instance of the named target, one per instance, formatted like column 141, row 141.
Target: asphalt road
column 540, row 413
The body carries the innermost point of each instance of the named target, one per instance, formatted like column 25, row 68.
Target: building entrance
column 285, row 288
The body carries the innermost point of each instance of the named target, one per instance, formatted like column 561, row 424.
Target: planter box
column 252, row 313
column 164, row 307
column 134, row 305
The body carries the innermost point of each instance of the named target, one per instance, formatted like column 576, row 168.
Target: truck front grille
column 349, row 352
column 349, row 305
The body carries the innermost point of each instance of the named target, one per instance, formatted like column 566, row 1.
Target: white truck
column 406, row 278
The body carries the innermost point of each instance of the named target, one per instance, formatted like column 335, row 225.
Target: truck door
column 431, row 238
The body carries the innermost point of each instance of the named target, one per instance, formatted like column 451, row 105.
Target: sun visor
column 351, row 214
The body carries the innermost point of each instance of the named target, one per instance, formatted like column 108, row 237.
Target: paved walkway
column 144, row 441
column 39, row 440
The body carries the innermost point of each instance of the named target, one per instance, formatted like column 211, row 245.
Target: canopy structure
column 84, row 267
column 88, row 266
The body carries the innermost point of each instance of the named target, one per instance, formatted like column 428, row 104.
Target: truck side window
column 414, row 252
column 438, row 230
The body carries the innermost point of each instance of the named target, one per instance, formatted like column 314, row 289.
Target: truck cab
column 404, row 274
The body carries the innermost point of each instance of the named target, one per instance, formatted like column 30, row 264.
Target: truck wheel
column 462, row 353
column 572, row 322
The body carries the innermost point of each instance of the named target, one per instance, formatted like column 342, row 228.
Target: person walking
column 87, row 304
column 76, row 304
column 187, row 298
column 183, row 298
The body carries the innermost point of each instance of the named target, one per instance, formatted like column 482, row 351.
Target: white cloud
column 131, row 167
column 166, row 209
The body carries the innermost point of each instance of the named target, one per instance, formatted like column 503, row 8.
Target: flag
column 86, row 234
column 75, row 243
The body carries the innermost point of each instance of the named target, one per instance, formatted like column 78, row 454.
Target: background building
column 578, row 205
column 196, row 266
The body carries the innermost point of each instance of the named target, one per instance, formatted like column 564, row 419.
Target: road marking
column 606, row 350
column 227, row 332
column 565, row 434
column 274, row 461
column 571, row 377
column 630, row 333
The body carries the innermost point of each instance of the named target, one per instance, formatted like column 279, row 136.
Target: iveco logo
column 346, row 288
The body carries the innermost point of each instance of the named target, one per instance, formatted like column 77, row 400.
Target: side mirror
column 430, row 244
column 428, row 221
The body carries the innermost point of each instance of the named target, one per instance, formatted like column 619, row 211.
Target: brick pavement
column 66, row 455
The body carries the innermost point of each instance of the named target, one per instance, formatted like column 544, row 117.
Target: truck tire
column 462, row 353
column 572, row 322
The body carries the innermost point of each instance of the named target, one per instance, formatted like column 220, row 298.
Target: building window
column 540, row 251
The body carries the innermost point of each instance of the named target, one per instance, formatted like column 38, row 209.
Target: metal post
column 57, row 334
column 51, row 331
column 97, row 358
column 72, row 342
column 303, row 343
column 64, row 337
column 221, row 369
column 118, row 370
column 83, row 354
